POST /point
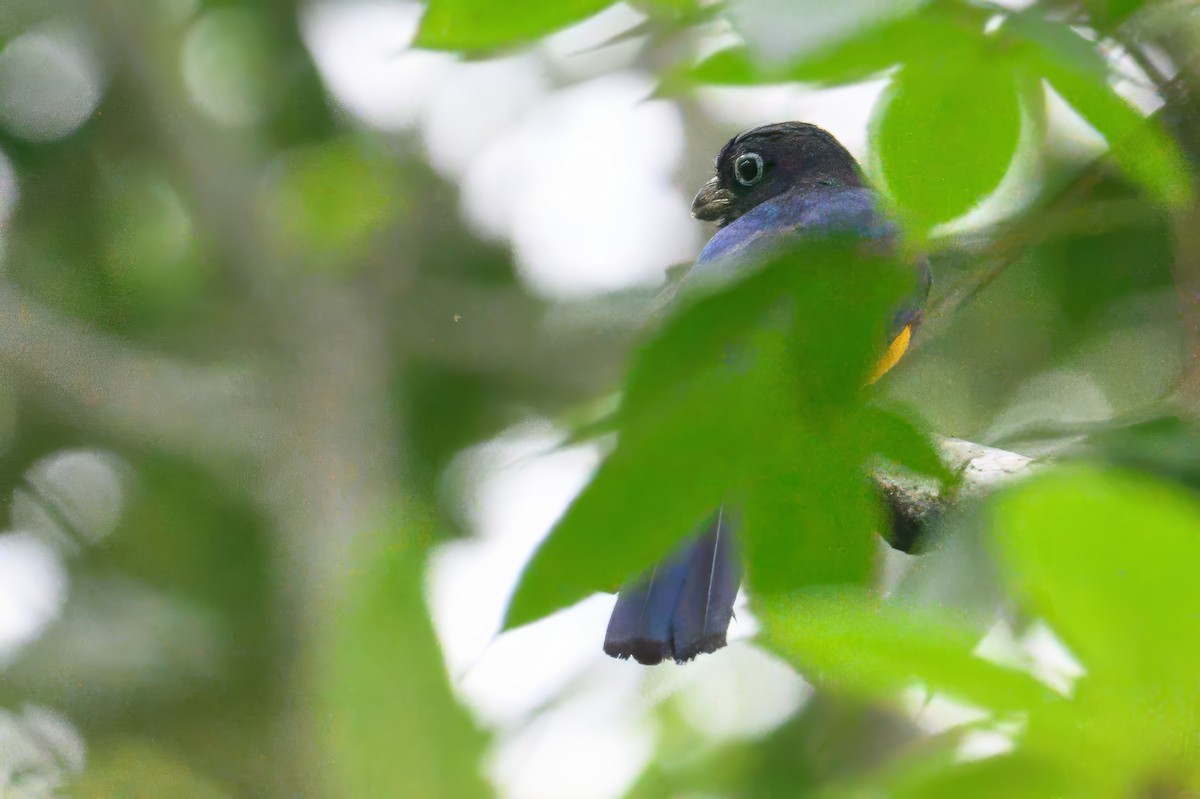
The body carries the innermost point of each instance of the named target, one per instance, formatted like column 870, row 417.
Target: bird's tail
column 682, row 607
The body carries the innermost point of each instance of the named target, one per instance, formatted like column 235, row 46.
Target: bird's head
column 762, row 163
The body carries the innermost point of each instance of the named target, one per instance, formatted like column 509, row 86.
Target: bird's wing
column 781, row 222
column 811, row 213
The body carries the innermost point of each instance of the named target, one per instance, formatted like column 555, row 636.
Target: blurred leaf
column 393, row 725
column 150, row 249
column 810, row 514
column 676, row 10
column 448, row 410
column 707, row 332
column 214, row 530
column 1110, row 560
column 732, row 66
column 943, row 775
column 870, row 51
column 655, row 489
column 848, row 641
column 899, row 440
column 945, row 136
column 230, row 45
column 329, row 201
column 1139, row 145
column 957, row 574
column 133, row 768
column 831, row 739
column 842, row 302
column 1165, row 446
column 779, row 31
column 1107, row 13
column 170, row 649
column 1031, row 28
column 480, row 24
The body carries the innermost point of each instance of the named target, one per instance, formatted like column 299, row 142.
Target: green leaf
column 848, row 641
column 702, row 333
column 673, row 10
column 945, row 135
column 132, row 767
column 898, row 439
column 732, row 66
column 683, row 423
column 1055, row 39
column 481, row 24
column 833, row 341
column 945, row 776
column 684, row 447
column 328, row 203
column 872, row 50
column 149, row 249
column 784, row 30
column 1139, row 145
column 393, row 725
column 1110, row 560
column 1162, row 445
column 842, row 303
column 810, row 515
column 1109, row 13
column 655, row 489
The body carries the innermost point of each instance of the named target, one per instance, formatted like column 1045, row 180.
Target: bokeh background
column 300, row 300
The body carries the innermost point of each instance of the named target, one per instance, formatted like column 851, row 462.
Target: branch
column 917, row 502
column 209, row 412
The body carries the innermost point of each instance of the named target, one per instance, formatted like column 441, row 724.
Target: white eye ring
column 753, row 160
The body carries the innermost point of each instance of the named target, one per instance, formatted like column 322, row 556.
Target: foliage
column 382, row 632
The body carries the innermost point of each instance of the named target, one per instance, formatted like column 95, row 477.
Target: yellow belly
column 895, row 352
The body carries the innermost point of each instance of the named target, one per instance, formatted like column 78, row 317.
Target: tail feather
column 682, row 608
column 640, row 624
column 705, row 604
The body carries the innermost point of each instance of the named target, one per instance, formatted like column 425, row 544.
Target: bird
column 774, row 184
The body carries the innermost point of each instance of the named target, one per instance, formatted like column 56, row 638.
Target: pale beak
column 712, row 202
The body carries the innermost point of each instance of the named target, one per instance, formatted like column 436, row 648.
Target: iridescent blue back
column 778, row 223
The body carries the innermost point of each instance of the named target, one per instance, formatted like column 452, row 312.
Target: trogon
column 773, row 184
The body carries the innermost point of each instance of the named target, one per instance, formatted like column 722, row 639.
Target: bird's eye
column 748, row 169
